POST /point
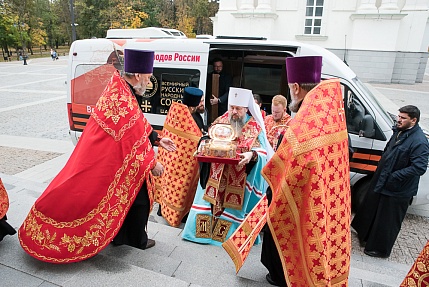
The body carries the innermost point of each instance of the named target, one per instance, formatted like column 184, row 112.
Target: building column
column 367, row 6
column 247, row 5
column 389, row 6
column 264, row 5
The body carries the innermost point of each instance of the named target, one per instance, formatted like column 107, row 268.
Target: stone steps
column 172, row 262
column 199, row 264
column 199, row 259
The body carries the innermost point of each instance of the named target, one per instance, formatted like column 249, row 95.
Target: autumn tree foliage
column 43, row 24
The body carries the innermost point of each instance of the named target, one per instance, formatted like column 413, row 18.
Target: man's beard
column 139, row 89
column 237, row 124
column 403, row 127
column 294, row 105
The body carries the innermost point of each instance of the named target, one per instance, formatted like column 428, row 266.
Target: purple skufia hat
column 138, row 61
column 304, row 70
column 192, row 96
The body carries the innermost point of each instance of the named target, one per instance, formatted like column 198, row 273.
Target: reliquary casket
column 221, row 143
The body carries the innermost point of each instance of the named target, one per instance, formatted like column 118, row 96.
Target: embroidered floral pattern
column 98, row 231
column 4, row 200
column 50, row 239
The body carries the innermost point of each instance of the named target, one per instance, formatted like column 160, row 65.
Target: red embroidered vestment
column 4, row 200
column 274, row 129
column 418, row 276
column 85, row 205
column 175, row 189
column 309, row 216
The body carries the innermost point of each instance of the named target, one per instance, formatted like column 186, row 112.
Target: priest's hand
column 245, row 158
column 167, row 144
column 214, row 100
column 158, row 169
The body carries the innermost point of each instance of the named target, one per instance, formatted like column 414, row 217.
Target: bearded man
column 231, row 190
column 394, row 183
column 104, row 190
column 309, row 214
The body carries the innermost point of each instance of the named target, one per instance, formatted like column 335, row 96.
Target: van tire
column 359, row 191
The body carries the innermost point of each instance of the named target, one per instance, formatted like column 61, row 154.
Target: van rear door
column 178, row 63
column 92, row 62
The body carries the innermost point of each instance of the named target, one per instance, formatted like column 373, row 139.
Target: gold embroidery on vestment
column 98, row 231
column 312, row 144
column 221, row 230
column 203, row 227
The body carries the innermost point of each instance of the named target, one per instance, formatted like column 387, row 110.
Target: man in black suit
column 225, row 81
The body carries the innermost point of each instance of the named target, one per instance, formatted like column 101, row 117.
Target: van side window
column 359, row 120
column 167, row 85
column 355, row 113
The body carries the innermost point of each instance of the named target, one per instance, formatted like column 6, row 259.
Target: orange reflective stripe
column 363, row 166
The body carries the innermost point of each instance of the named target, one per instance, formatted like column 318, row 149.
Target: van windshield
column 371, row 97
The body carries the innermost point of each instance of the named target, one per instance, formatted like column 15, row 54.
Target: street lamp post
column 73, row 24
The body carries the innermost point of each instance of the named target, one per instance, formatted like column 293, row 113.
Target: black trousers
column 5, row 228
column 378, row 221
column 270, row 257
column 133, row 230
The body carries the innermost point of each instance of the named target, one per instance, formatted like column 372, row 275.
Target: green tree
column 166, row 14
column 185, row 22
column 93, row 17
column 22, row 10
column 128, row 14
column 40, row 23
column 9, row 37
column 202, row 10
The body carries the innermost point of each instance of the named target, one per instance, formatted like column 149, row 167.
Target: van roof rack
column 148, row 32
column 240, row 38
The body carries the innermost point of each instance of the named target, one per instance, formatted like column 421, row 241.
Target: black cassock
column 133, row 230
column 5, row 228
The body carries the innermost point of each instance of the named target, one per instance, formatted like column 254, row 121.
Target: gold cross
column 145, row 106
column 175, row 119
column 341, row 113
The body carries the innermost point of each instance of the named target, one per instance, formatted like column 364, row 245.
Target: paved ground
column 32, row 153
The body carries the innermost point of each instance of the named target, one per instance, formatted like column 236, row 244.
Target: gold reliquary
column 221, row 146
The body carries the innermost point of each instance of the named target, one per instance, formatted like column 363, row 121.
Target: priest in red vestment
column 309, row 215
column 5, row 228
column 276, row 123
column 175, row 189
column 105, row 187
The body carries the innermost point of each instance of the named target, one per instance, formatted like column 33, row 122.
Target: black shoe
column 271, row 281
column 375, row 254
column 116, row 243
column 150, row 243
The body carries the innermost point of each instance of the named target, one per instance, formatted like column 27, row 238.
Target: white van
column 256, row 64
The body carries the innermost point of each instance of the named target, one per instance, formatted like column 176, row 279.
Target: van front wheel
column 359, row 191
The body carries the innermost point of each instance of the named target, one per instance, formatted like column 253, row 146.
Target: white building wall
column 373, row 36
column 425, row 40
